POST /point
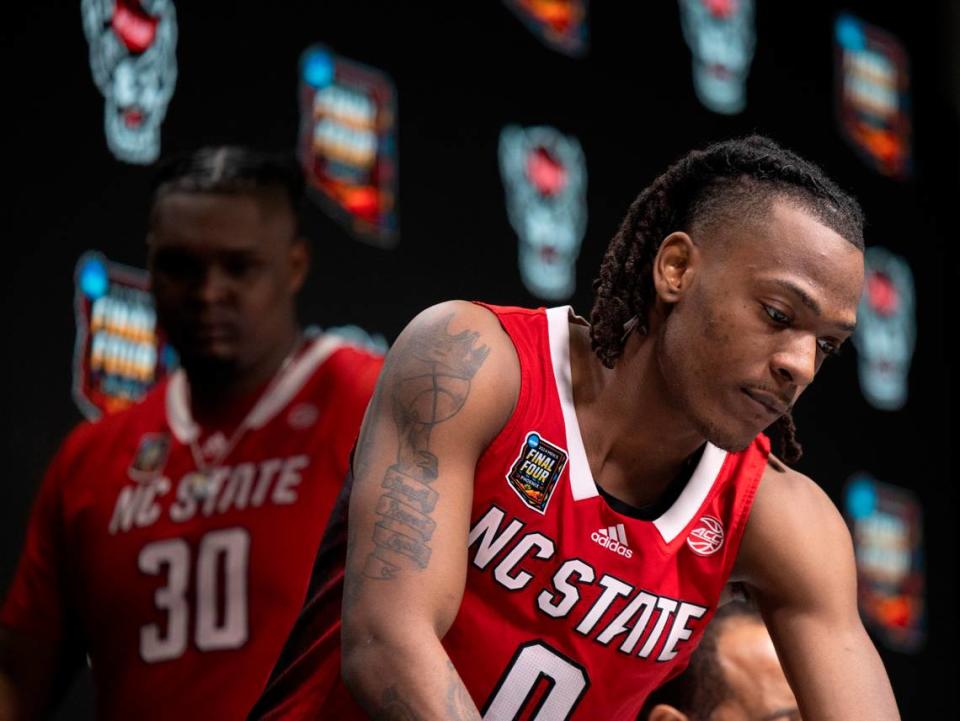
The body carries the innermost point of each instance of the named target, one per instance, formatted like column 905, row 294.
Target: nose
column 796, row 362
column 215, row 285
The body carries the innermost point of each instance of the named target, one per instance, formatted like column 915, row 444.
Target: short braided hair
column 726, row 180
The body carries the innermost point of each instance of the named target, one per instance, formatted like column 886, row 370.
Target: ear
column 675, row 266
column 662, row 712
column 299, row 262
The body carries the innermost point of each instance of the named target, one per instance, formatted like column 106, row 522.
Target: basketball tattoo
column 429, row 380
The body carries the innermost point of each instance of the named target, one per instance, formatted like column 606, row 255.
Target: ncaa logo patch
column 706, row 538
column 151, row 456
column 534, row 474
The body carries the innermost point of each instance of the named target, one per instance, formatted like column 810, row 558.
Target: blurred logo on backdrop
column 561, row 25
column 133, row 57
column 886, row 330
column 119, row 353
column 354, row 335
column 722, row 36
column 545, row 177
column 886, row 524
column 873, row 101
column 347, row 143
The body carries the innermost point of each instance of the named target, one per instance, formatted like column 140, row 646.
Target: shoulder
column 90, row 439
column 794, row 531
column 353, row 367
column 463, row 329
column 464, row 348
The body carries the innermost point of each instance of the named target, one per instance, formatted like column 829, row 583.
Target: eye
column 776, row 315
column 240, row 266
column 828, row 348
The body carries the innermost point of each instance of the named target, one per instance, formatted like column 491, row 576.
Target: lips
column 766, row 402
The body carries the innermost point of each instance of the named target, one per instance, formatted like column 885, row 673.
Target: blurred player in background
column 545, row 511
column 734, row 675
column 172, row 543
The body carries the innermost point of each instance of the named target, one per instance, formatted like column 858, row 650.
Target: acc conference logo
column 706, row 538
column 133, row 58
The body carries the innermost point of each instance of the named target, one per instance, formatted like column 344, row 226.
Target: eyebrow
column 808, row 301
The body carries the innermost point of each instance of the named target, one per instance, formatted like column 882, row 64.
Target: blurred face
column 752, row 309
column 225, row 269
column 758, row 690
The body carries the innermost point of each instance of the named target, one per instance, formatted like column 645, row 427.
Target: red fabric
column 588, row 674
column 246, row 565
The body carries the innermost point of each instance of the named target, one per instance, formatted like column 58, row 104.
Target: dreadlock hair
column 724, row 182
column 232, row 170
column 702, row 686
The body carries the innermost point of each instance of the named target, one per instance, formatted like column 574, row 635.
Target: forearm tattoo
column 428, row 381
column 459, row 705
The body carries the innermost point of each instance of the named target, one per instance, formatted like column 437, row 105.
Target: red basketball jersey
column 572, row 610
column 182, row 593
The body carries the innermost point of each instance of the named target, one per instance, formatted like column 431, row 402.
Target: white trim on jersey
column 558, row 328
column 582, row 485
column 185, row 428
column 676, row 518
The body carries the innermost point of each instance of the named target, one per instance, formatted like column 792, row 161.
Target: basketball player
column 734, row 675
column 545, row 511
column 172, row 543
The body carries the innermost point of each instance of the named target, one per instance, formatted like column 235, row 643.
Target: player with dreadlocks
column 544, row 513
column 727, row 181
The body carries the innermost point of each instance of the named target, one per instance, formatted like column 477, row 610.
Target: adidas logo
column 613, row 538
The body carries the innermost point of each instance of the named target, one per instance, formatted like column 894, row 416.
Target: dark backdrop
column 462, row 71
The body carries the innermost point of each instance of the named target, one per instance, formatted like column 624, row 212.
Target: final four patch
column 151, row 456
column 535, row 472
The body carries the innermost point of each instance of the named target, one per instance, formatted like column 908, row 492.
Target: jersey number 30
column 220, row 613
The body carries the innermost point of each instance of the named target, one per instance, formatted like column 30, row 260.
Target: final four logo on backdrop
column 119, row 353
column 347, row 143
column 873, row 101
column 535, row 473
column 559, row 24
column 887, row 529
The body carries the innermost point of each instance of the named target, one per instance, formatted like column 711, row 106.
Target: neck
column 636, row 438
column 215, row 392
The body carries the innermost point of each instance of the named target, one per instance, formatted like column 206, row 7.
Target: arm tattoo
column 394, row 708
column 460, row 706
column 429, row 381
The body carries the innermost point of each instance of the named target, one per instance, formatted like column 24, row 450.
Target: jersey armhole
column 514, row 420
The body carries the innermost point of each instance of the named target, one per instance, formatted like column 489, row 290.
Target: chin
column 207, row 364
column 732, row 440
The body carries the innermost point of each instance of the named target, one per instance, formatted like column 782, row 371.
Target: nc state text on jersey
column 659, row 622
column 273, row 481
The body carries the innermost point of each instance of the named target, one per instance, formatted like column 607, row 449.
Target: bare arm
column 797, row 557
column 447, row 388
